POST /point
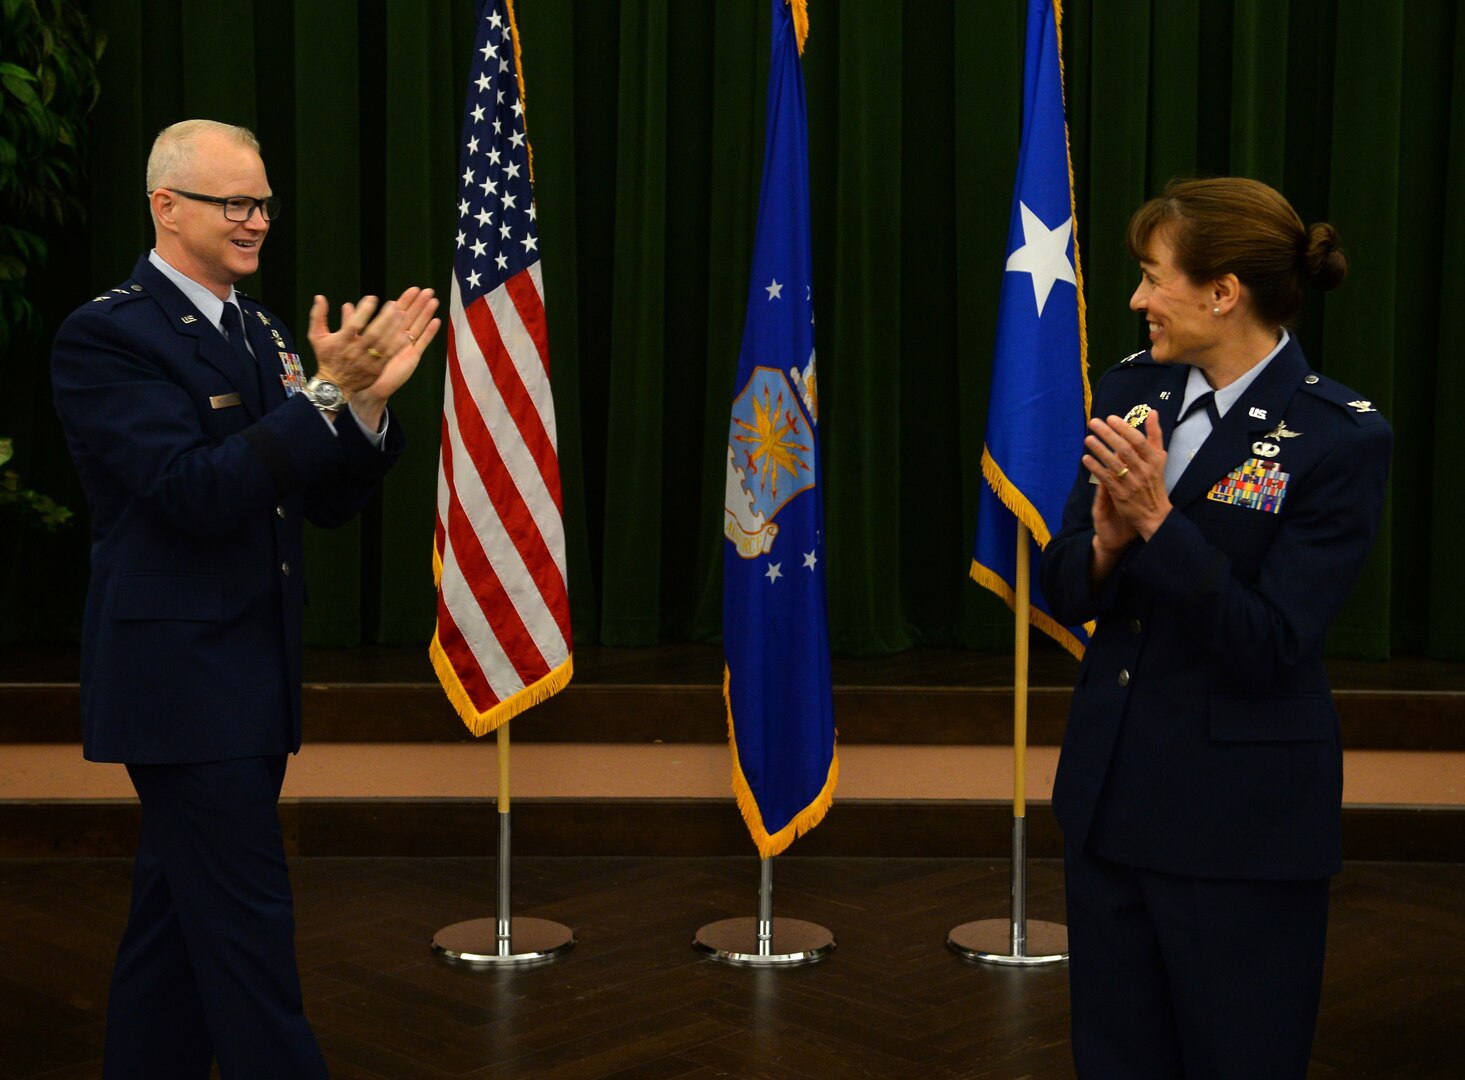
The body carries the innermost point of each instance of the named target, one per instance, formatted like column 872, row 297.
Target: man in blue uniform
column 201, row 449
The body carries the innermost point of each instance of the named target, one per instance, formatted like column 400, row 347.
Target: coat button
column 1123, row 676
column 1134, row 626
column 285, row 569
column 280, row 512
column 1311, row 380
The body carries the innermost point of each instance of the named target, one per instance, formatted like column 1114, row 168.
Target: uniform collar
column 1228, row 395
column 201, row 297
column 1259, row 407
column 182, row 311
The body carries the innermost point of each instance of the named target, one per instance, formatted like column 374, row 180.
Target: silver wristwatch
column 325, row 396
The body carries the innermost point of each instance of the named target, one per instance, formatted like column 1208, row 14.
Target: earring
column 1215, row 311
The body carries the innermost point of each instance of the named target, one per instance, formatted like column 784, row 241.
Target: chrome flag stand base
column 503, row 941
column 764, row 941
column 1015, row 942
column 487, row 941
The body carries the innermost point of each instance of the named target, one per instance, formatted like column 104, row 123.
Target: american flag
column 503, row 614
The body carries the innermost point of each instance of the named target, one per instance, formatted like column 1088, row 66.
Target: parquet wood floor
column 632, row 1001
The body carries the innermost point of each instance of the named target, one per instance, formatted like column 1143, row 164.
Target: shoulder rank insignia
column 1363, row 406
column 1135, row 417
column 1130, row 358
column 99, row 299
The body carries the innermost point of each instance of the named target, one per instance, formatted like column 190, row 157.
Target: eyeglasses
column 237, row 207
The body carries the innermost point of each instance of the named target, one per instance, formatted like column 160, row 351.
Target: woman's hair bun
column 1326, row 264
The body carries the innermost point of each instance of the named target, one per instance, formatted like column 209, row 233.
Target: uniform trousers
column 1173, row 976
column 206, row 969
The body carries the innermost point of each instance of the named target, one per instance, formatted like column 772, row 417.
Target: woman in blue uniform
column 1222, row 513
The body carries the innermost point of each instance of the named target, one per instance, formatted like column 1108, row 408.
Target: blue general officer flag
column 780, row 710
column 1040, row 390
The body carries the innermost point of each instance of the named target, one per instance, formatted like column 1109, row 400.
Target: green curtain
column 646, row 122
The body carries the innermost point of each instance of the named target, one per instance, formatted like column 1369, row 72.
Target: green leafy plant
column 48, row 86
column 31, row 506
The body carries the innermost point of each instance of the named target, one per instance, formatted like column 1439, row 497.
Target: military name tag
column 224, row 401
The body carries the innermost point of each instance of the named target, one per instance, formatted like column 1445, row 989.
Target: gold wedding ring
column 375, row 353
column 1122, row 473
column 410, row 336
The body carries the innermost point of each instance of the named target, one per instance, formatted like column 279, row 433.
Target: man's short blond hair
column 173, row 149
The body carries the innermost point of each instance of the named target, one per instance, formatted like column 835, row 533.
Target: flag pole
column 504, row 940
column 985, row 939
column 764, row 941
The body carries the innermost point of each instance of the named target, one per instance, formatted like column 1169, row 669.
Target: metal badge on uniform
column 1135, row 417
column 1269, row 445
column 262, row 317
column 1164, row 395
column 1363, row 406
column 1258, row 484
column 279, row 341
column 225, row 401
column 1256, row 414
column 292, row 378
column 188, row 319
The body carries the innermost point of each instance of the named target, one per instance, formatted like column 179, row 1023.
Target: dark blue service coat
column 1202, row 739
column 199, row 474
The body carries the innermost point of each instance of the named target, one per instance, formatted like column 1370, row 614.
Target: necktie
column 1207, row 402
column 1186, row 439
column 234, row 332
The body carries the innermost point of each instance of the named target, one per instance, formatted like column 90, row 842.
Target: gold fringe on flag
column 768, row 844
column 1083, row 321
column 800, row 10
column 1027, row 513
column 481, row 723
column 1014, row 499
column 519, row 74
column 990, row 579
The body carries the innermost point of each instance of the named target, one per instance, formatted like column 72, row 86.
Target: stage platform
column 631, row 759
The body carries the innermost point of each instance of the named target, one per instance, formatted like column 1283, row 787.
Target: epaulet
column 1349, row 401
column 251, row 306
column 1134, row 359
column 128, row 290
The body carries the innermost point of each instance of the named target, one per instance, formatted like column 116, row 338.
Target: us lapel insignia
column 1135, row 417
column 1164, row 395
column 1363, row 406
column 188, row 320
column 1257, row 484
column 1256, row 414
